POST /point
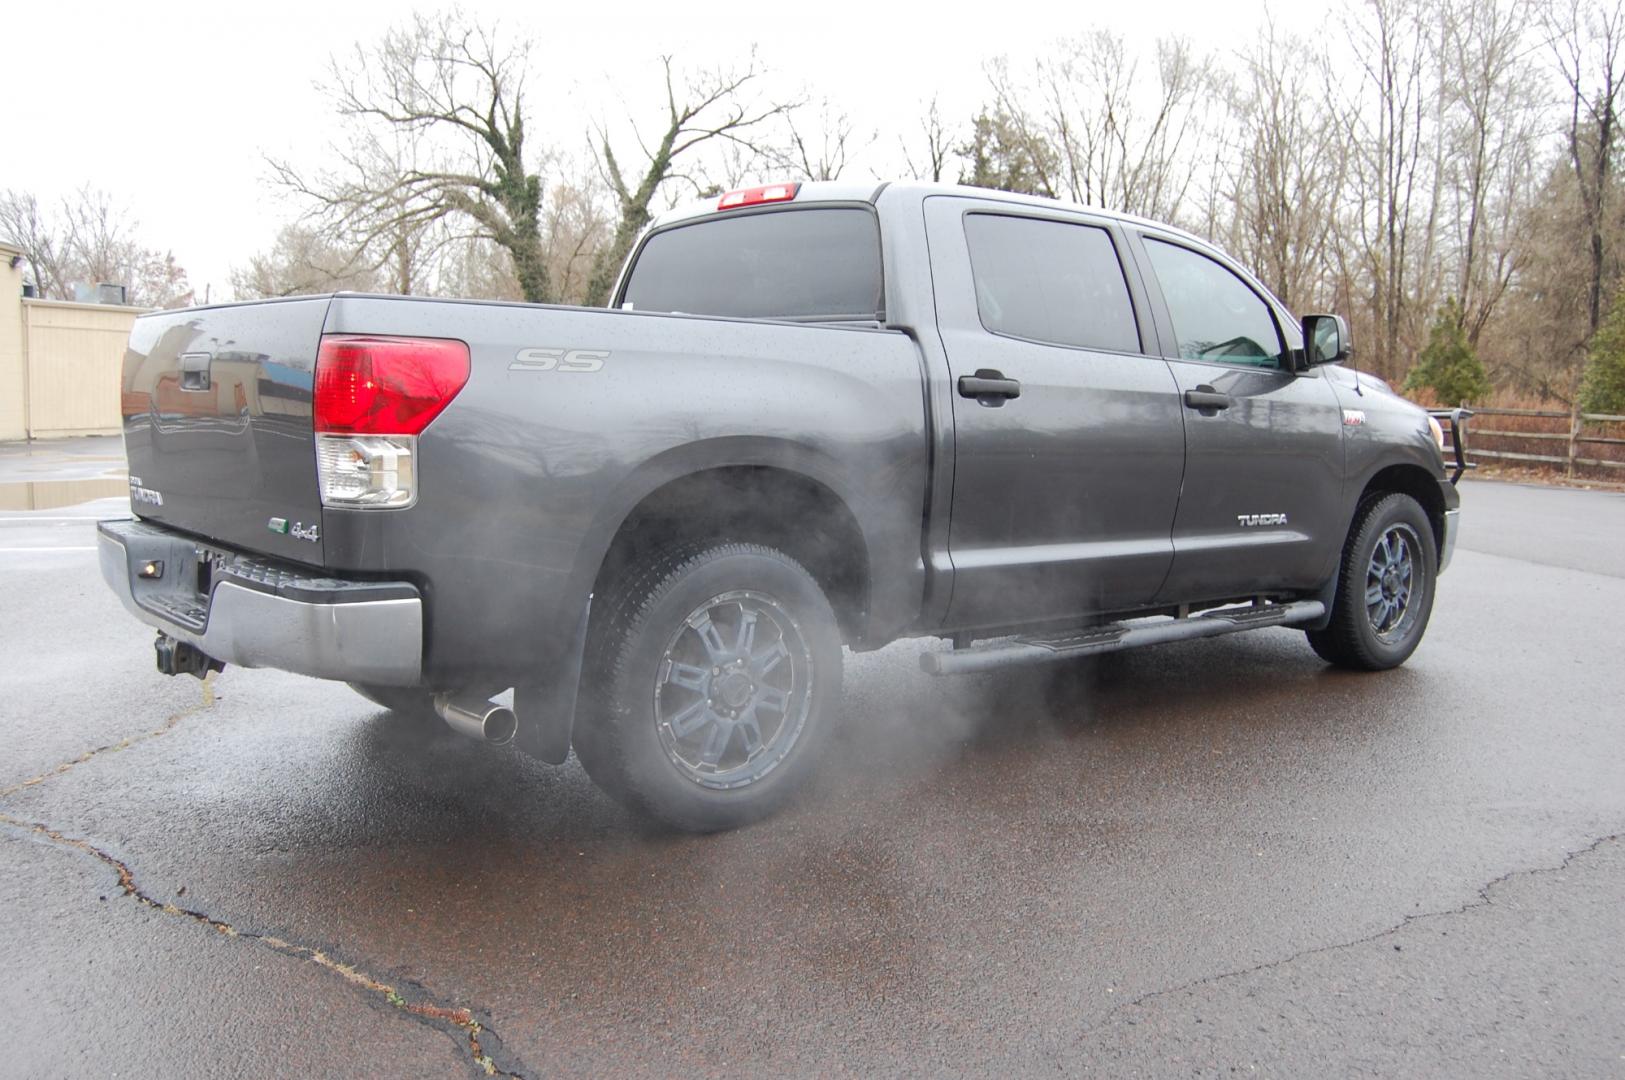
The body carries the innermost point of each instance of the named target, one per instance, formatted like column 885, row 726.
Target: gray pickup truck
column 817, row 416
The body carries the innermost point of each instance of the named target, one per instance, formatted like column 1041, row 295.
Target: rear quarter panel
column 526, row 477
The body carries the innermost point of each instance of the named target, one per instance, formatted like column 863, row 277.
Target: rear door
column 1063, row 496
column 218, row 426
column 1263, row 442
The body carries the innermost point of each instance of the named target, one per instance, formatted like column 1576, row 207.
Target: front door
column 1260, row 509
column 1063, row 496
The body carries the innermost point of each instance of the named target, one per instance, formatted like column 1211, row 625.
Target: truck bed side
column 527, row 477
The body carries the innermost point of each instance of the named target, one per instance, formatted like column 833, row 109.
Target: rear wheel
column 1384, row 589
column 713, row 678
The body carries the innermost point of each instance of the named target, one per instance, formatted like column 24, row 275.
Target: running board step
column 1094, row 640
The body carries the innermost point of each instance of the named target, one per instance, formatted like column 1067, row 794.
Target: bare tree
column 938, row 149
column 1586, row 37
column 89, row 240
column 576, row 227
column 303, row 261
column 1286, row 178
column 1010, row 148
column 713, row 108
column 439, row 111
column 1491, row 137
column 1091, row 128
column 25, row 227
column 1391, row 134
column 1537, row 343
column 1004, row 153
column 1122, row 141
column 821, row 149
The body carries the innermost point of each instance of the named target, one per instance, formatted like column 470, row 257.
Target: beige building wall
column 75, row 362
column 13, row 368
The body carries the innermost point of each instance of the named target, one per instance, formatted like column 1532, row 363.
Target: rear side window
column 1050, row 281
column 1216, row 316
column 808, row 264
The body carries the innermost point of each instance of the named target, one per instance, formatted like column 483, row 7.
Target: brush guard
column 1455, row 421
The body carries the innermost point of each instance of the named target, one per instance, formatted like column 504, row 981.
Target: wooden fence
column 1548, row 437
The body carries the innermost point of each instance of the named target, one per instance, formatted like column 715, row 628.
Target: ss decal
column 584, row 360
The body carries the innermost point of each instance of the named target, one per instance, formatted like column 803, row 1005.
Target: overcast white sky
column 173, row 107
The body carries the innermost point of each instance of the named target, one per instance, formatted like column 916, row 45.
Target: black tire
column 677, row 688
column 408, row 703
column 1381, row 608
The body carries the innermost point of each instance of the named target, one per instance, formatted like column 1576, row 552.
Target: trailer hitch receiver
column 181, row 658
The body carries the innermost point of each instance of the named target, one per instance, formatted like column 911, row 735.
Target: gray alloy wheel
column 1390, row 579
column 1384, row 593
column 733, row 690
column 713, row 677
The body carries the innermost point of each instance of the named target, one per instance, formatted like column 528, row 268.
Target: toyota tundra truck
column 815, row 417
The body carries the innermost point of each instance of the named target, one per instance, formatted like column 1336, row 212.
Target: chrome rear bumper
column 257, row 613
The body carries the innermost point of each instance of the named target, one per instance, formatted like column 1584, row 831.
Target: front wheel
column 1384, row 588
column 713, row 678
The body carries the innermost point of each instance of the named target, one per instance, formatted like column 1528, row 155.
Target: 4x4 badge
column 298, row 530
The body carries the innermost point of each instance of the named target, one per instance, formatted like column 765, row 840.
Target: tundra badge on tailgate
column 141, row 494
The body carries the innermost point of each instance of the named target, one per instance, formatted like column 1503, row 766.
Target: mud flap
column 1326, row 595
column 546, row 707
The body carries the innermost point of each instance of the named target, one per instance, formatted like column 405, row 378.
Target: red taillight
column 755, row 196
column 386, row 385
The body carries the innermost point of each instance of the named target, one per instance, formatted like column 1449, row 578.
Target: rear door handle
column 989, row 387
column 1207, row 399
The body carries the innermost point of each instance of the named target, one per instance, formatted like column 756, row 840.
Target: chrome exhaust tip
column 477, row 718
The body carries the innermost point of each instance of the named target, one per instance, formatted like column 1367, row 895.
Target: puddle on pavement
column 51, row 494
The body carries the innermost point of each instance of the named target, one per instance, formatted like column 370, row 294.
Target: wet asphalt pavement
column 1197, row 859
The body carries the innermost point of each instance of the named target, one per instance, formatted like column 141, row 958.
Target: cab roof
column 846, row 191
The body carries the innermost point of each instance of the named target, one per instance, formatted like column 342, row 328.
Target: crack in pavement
column 123, row 744
column 1482, row 899
column 422, row 1007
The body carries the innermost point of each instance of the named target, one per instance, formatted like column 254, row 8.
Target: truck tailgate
column 218, row 425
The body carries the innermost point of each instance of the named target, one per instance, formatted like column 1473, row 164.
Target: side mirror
column 1326, row 339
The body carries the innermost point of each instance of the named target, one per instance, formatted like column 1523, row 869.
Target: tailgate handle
column 195, row 370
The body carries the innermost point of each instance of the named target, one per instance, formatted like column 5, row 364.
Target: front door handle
column 1207, row 400
column 989, row 387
